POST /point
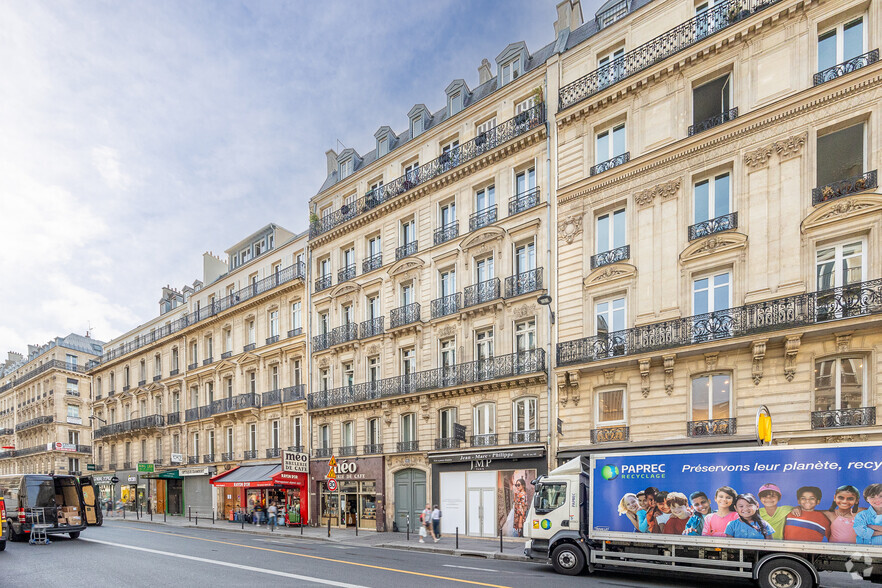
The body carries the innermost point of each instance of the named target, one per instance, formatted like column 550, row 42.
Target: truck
column 713, row 512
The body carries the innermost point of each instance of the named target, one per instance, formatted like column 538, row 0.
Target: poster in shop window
column 514, row 495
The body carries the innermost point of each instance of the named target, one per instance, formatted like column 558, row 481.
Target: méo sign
column 293, row 461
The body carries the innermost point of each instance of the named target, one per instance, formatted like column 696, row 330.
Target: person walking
column 436, row 523
column 271, row 512
column 426, row 523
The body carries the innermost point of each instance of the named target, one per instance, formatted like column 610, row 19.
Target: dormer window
column 454, row 103
column 345, row 168
column 611, row 12
column 511, row 71
column 382, row 147
column 416, row 126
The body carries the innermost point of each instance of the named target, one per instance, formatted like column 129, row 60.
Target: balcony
column 323, row 283
column 271, row 340
column 234, row 403
column 404, row 315
column 34, row 422
column 140, row 384
column 295, row 332
column 196, row 413
column 446, row 305
column 372, row 448
column 249, row 454
column 407, row 446
column 347, row 451
column 482, row 218
column 406, row 250
column 446, row 233
column 523, row 283
column 846, row 187
column 713, row 121
column 138, row 424
column 270, row 398
column 859, row 299
column 612, row 256
column 207, row 361
column 486, row 440
column 521, row 124
column 517, row 437
column 294, row 393
column 719, row 17
column 609, row 434
column 6, row 431
column 208, row 458
column 343, row 334
column 173, row 372
column 126, row 388
column 84, row 448
column 446, row 443
column 610, row 163
column 481, row 292
column 157, row 377
column 372, row 327
column 493, row 368
column 249, row 347
column 296, row 448
column 371, row 263
column 711, row 428
column 191, row 366
column 52, row 364
column 273, row 452
column 848, row 417
column 156, row 462
column 228, row 456
column 173, row 418
column 524, row 201
column 127, row 465
column 854, row 64
column 321, row 452
column 726, row 222
column 347, row 273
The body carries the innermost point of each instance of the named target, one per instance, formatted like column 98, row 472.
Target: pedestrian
column 271, row 512
column 426, row 520
column 109, row 504
column 436, row 523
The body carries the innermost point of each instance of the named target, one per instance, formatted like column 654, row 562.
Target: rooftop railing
column 145, row 422
column 51, row 364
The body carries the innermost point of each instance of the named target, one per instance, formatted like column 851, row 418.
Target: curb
column 460, row 552
column 246, row 531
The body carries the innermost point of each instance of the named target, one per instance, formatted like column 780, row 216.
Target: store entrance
column 176, row 497
column 410, row 497
column 160, row 495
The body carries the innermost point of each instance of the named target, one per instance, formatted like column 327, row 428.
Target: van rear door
column 41, row 496
column 90, row 497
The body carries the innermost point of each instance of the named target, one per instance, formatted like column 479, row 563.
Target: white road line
column 468, row 568
column 228, row 564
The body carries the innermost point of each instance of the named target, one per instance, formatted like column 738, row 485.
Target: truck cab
column 556, row 524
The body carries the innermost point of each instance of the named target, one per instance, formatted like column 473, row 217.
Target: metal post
column 329, row 525
column 163, row 516
column 197, row 523
column 242, row 519
column 356, row 524
column 457, row 538
column 151, row 515
column 189, row 513
column 408, row 527
column 500, row 540
column 301, row 527
column 124, row 511
column 212, row 516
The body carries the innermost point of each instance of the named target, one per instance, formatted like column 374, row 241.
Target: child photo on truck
column 770, row 495
column 805, row 523
column 842, row 513
column 715, row 523
column 700, row 509
column 868, row 523
column 749, row 524
column 678, row 504
column 628, row 506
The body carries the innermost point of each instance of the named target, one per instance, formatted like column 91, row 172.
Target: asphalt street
column 127, row 554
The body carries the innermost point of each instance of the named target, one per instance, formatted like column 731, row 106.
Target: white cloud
column 106, row 161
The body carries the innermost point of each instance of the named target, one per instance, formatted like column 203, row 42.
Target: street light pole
column 545, row 300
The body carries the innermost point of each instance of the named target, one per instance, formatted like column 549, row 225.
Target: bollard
column 408, row 527
column 151, row 515
column 124, row 512
column 197, row 518
column 242, row 519
column 163, row 517
column 301, row 527
column 329, row 526
column 457, row 537
column 189, row 514
column 212, row 516
column 137, row 515
column 500, row 540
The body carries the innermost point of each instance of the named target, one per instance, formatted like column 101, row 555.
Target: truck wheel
column 568, row 559
column 74, row 535
column 785, row 573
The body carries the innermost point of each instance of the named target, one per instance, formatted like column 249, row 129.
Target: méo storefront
column 246, row 487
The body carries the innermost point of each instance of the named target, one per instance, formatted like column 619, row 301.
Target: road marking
column 229, row 564
column 318, row 557
column 468, row 568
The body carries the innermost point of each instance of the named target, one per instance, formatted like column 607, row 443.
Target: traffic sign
column 114, row 480
column 90, row 467
column 332, row 485
column 332, row 470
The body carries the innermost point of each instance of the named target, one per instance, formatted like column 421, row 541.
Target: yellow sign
column 763, row 426
column 332, row 469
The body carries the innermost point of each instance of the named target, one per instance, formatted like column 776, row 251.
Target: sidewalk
column 512, row 547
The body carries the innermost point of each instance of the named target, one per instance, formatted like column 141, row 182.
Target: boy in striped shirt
column 804, row 523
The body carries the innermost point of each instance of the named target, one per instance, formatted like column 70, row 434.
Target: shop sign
column 193, row 472
column 61, row 447
column 293, row 461
column 75, row 420
column 146, row 467
column 344, row 470
column 114, row 480
column 177, row 458
column 90, row 467
column 132, row 479
column 485, row 456
column 107, row 479
column 459, row 432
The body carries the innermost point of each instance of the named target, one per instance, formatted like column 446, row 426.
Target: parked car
column 54, row 499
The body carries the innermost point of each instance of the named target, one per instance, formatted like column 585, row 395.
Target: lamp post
column 545, row 300
column 97, row 418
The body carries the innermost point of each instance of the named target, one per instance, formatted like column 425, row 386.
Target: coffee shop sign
column 347, row 470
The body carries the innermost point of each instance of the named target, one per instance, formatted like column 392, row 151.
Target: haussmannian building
column 45, row 400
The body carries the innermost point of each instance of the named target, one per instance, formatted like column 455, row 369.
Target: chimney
column 569, row 16
column 484, row 72
column 332, row 160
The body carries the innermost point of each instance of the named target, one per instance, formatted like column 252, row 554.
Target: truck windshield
column 549, row 496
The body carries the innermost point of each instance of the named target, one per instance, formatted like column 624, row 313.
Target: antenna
column 89, row 329
column 340, row 143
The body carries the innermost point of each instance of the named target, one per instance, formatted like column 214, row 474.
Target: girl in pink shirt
column 716, row 522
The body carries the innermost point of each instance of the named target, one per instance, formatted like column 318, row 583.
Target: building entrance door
column 410, row 497
column 176, row 497
column 481, row 512
column 160, row 495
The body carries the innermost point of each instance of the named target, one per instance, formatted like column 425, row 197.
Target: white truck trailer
column 596, row 512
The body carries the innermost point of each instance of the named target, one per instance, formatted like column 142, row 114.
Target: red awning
column 290, row 479
column 248, row 476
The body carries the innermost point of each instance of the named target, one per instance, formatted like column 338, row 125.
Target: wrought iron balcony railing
column 271, row 340
column 196, row 413
column 343, row 333
column 710, row 428
column 157, row 377
column 524, row 201
column 323, row 283
column 6, row 431
column 713, row 121
column 191, row 459
column 864, row 298
column 249, row 454
column 683, row 36
column 516, row 437
column 407, row 446
column 140, row 384
column 610, row 163
column 273, row 452
column 138, row 424
column 233, row 403
column 482, row 218
column 612, row 256
column 35, row 422
column 404, row 315
column 446, row 233
column 609, row 434
column 481, row 292
column 371, row 263
column 848, row 417
column 207, row 361
column 127, row 465
column 51, row 364
column 372, row 448
column 485, row 440
column 726, row 222
column 446, row 305
column 845, row 67
column 523, row 283
column 271, row 397
column 111, row 467
column 321, row 342
column 283, row 276
column 372, row 327
column 173, row 418
column 522, row 123
column 347, row 273
column 493, row 368
column 446, row 443
column 320, row 452
column 347, row 450
column 228, row 456
column 406, row 250
column 249, row 347
column 294, row 393
column 208, row 458
column 296, row 448
column 295, row 332
column 846, row 187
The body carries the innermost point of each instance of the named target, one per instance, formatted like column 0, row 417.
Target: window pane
column 603, row 233
column 721, row 292
column 702, row 201
column 851, row 263
column 825, row 386
column 841, row 155
column 618, row 140
column 700, row 302
column 602, row 322
column 707, row 100
column 721, row 195
column 700, row 398
column 826, row 261
column 610, row 407
column 853, row 39
column 851, row 382
column 618, row 314
column 826, row 50
column 618, row 229
column 721, row 390
column 602, row 147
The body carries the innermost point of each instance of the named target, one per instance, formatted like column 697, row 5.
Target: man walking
column 436, row 523
column 271, row 513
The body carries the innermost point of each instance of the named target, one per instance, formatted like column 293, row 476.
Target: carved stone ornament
column 373, row 349
column 843, row 342
column 570, row 228
column 524, row 310
column 568, row 386
column 447, row 331
column 759, row 353
column 791, row 348
column 843, row 207
column 644, row 377
column 609, row 375
column 424, row 406
column 790, row 146
column 669, row 373
column 323, row 362
column 758, row 158
column 710, row 361
column 387, row 412
column 665, row 190
column 609, row 273
column 846, row 439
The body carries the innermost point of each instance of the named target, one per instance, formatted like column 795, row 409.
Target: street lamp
column 545, row 300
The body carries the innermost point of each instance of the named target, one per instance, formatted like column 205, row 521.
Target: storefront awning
column 166, row 475
column 248, row 476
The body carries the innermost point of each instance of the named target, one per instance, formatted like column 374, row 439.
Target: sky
column 134, row 136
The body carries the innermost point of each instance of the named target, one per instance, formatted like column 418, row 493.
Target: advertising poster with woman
column 514, row 494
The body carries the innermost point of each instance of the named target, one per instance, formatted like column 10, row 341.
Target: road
column 127, row 554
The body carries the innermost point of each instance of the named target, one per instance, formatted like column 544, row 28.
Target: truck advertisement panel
column 822, row 494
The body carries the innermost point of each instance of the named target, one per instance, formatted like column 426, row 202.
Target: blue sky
column 137, row 135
